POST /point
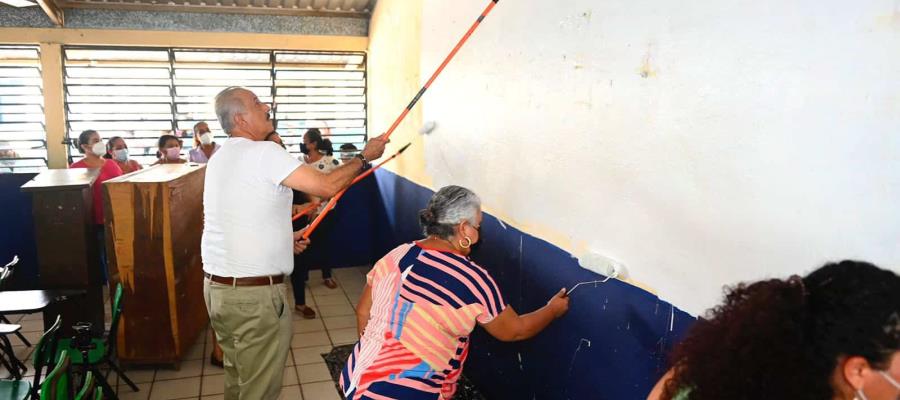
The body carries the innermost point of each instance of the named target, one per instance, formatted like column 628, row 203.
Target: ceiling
column 330, row 8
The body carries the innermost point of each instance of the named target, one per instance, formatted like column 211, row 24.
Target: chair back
column 113, row 333
column 6, row 271
column 88, row 388
column 58, row 385
column 42, row 357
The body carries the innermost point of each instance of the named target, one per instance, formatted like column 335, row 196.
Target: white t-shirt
column 247, row 212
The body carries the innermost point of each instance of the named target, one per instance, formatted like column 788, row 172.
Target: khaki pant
column 253, row 326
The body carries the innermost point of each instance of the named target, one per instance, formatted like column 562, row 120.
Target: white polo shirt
column 247, row 212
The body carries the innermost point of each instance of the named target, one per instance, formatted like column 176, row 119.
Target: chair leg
column 110, row 393
column 121, row 374
column 9, row 360
column 18, row 334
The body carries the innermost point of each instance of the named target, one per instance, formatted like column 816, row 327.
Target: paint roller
column 331, row 203
column 425, row 129
column 437, row 72
column 600, row 264
column 306, row 210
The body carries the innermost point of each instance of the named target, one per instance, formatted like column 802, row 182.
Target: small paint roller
column 600, row 264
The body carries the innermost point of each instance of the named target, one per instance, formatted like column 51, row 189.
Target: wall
column 700, row 144
column 612, row 344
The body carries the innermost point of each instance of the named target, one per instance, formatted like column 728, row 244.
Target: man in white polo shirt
column 248, row 241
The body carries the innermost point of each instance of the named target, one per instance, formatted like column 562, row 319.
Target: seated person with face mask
column 117, row 150
column 204, row 146
column 169, row 150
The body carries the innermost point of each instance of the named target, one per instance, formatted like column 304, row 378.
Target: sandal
column 307, row 312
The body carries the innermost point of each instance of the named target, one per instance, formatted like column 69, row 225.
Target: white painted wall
column 702, row 143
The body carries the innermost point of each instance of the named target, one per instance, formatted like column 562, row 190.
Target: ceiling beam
column 212, row 9
column 53, row 12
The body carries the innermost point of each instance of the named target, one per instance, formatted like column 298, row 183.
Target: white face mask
column 206, row 138
column 99, row 149
column 173, row 153
column 121, row 155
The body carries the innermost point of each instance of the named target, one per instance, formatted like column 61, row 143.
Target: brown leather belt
column 248, row 281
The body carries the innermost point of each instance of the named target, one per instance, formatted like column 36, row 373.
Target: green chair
column 43, row 355
column 42, row 359
column 104, row 349
column 87, row 391
column 58, row 385
column 15, row 390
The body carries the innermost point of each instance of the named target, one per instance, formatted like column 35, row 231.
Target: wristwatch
column 365, row 163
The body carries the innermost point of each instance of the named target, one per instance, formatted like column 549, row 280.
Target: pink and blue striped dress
column 425, row 303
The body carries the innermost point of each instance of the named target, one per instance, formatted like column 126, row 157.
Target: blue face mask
column 121, row 155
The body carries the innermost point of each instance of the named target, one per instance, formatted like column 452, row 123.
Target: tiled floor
column 305, row 374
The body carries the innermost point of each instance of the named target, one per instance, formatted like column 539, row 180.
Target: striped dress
column 425, row 303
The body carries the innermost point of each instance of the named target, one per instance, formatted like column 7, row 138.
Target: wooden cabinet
column 154, row 221
column 68, row 244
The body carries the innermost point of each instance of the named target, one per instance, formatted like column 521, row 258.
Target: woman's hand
column 300, row 244
column 559, row 303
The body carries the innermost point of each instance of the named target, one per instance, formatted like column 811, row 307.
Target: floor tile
column 310, row 339
column 137, row 375
column 336, row 311
column 189, row 369
column 314, row 373
column 290, row 376
column 308, row 325
column 291, row 393
column 310, row 355
column 213, row 384
column 175, row 389
column 33, row 325
column 319, row 288
column 343, row 336
column 214, row 397
column 331, row 299
column 125, row 392
column 347, row 321
column 320, row 391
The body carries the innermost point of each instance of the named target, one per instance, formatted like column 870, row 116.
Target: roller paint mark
column 500, row 221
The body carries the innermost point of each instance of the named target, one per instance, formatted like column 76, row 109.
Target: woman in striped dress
column 421, row 302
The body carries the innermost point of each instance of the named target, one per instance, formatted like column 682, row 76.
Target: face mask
column 173, row 153
column 303, row 148
column 206, row 138
column 121, row 155
column 99, row 149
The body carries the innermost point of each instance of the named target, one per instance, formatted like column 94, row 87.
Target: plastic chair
column 104, row 348
column 58, row 385
column 44, row 353
column 5, row 275
column 87, row 388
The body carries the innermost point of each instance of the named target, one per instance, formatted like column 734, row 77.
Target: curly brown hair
column 782, row 339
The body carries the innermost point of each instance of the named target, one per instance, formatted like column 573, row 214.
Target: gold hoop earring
column 468, row 243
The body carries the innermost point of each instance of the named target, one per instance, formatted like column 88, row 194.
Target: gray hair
column 447, row 208
column 227, row 106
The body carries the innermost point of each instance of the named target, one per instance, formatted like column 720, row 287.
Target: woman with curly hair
column 832, row 335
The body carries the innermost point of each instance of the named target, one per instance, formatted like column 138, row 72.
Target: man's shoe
column 331, row 283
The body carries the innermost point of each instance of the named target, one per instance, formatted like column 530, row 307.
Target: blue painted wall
column 612, row 344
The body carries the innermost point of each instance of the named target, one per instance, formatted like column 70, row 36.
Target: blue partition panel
column 17, row 235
